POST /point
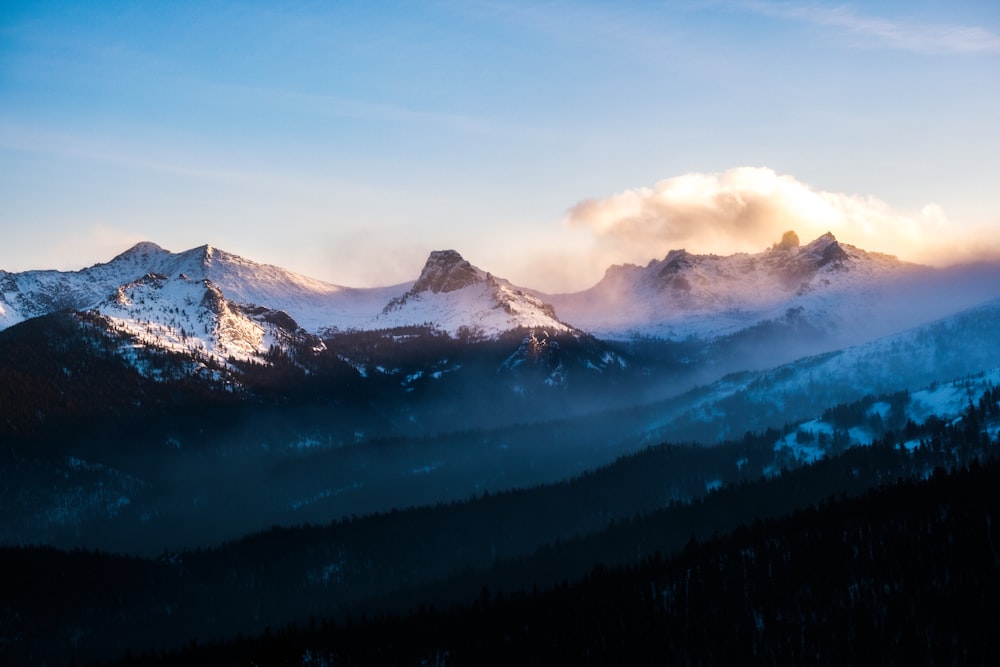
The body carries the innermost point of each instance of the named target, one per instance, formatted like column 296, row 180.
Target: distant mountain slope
column 620, row 515
column 846, row 294
column 952, row 347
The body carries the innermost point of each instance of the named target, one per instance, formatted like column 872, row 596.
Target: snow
column 485, row 308
column 863, row 296
column 943, row 400
column 946, row 401
column 177, row 314
column 215, row 305
column 211, row 304
column 707, row 295
column 808, row 452
column 315, row 305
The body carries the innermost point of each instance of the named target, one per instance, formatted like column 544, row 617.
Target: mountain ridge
column 671, row 296
column 840, row 293
column 467, row 302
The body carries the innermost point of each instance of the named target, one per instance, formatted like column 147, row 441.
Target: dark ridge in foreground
column 57, row 606
column 907, row 574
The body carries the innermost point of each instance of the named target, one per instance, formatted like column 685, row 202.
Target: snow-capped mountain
column 204, row 301
column 180, row 314
column 313, row 304
column 845, row 293
column 785, row 302
column 456, row 297
column 209, row 302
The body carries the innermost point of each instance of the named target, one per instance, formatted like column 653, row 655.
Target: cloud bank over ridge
column 747, row 209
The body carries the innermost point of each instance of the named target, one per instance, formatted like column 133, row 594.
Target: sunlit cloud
column 746, row 210
column 871, row 31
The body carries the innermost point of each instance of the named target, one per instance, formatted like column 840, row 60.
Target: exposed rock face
column 833, row 253
column 789, row 241
column 445, row 271
column 824, row 250
column 464, row 301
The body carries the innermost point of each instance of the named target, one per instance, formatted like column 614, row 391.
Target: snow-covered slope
column 453, row 296
column 203, row 301
column 211, row 302
column 864, row 422
column 954, row 347
column 183, row 315
column 847, row 293
column 820, row 296
column 313, row 304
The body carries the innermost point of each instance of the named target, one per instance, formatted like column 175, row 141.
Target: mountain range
column 218, row 305
column 257, row 446
column 206, row 354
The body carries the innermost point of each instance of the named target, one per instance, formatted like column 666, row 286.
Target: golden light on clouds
column 747, row 209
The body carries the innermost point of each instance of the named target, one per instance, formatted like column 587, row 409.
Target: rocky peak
column 446, row 271
column 825, row 250
column 675, row 261
column 205, row 253
column 789, row 241
column 144, row 251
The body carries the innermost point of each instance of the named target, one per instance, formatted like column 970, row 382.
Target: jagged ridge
column 464, row 301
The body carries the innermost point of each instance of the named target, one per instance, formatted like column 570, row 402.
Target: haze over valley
column 499, row 333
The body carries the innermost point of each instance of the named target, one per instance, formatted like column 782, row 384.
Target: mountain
column 466, row 302
column 677, row 322
column 209, row 302
column 842, row 294
column 312, row 303
column 182, row 403
column 840, row 290
column 960, row 345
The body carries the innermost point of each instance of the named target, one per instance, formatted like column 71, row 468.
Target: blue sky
column 542, row 140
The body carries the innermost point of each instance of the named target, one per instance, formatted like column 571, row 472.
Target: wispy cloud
column 19, row 137
column 358, row 109
column 168, row 156
column 871, row 31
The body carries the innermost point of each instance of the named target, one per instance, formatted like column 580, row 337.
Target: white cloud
column 746, row 210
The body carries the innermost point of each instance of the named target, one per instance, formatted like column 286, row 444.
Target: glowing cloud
column 746, row 210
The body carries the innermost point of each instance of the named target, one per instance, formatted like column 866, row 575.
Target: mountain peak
column 825, row 250
column 204, row 252
column 789, row 241
column 446, row 271
column 141, row 250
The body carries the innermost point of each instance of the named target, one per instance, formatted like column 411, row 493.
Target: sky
column 542, row 140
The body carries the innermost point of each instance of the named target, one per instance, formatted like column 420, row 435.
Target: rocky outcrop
column 446, row 271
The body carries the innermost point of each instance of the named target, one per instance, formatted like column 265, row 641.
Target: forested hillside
column 94, row 606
